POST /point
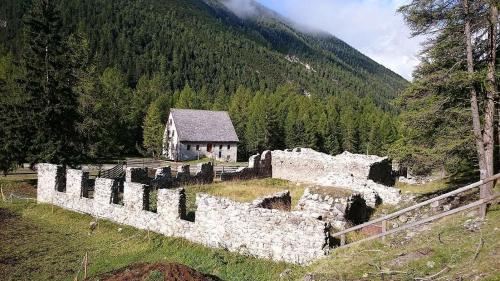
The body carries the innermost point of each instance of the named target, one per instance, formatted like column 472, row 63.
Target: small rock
column 120, row 229
column 309, row 277
column 403, row 218
column 447, row 207
column 285, row 273
column 435, row 204
column 431, row 264
column 92, row 225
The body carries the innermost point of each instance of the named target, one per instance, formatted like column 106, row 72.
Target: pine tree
column 239, row 112
column 154, row 127
column 187, row 98
column 257, row 132
column 12, row 117
column 48, row 84
column 221, row 101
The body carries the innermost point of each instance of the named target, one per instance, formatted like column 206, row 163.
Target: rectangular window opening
column 228, row 146
column 188, row 147
column 197, row 147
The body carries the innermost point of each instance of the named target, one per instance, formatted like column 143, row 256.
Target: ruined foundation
column 255, row 229
column 364, row 174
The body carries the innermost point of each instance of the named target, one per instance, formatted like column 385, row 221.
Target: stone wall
column 338, row 211
column 278, row 201
column 163, row 176
column 220, row 222
column 356, row 172
column 259, row 166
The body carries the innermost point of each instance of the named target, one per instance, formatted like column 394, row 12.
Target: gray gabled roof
column 203, row 125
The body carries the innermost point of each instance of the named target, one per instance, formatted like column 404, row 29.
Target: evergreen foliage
column 47, row 83
column 98, row 78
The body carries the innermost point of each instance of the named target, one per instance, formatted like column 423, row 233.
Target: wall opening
column 117, row 194
column 61, row 179
column 152, row 199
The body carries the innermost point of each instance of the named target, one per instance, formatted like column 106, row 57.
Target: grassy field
column 245, row 191
column 41, row 242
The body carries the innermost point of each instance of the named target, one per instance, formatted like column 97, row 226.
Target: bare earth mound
column 142, row 271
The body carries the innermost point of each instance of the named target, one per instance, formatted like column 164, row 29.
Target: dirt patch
column 20, row 189
column 405, row 258
column 147, row 271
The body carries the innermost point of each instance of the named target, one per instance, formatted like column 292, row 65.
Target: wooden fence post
column 482, row 210
column 342, row 240
column 384, row 228
column 85, row 264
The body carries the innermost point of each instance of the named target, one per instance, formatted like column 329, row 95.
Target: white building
column 194, row 134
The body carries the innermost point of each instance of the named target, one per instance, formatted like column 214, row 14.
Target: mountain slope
column 206, row 44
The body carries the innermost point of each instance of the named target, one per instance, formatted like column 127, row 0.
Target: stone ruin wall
column 363, row 174
column 338, row 211
column 163, row 176
column 259, row 166
column 240, row 227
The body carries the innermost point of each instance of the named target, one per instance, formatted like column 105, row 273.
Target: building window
column 197, row 147
column 228, row 146
column 188, row 147
column 209, row 147
column 220, row 147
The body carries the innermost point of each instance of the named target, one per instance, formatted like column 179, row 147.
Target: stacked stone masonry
column 163, row 176
column 240, row 227
column 259, row 166
column 363, row 174
column 336, row 210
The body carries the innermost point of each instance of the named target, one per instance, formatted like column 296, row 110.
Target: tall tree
column 48, row 83
column 12, row 117
column 154, row 125
column 467, row 21
column 239, row 112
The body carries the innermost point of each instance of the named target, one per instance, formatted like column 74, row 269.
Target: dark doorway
column 209, row 147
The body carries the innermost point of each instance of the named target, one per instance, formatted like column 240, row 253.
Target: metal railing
column 481, row 203
column 116, row 172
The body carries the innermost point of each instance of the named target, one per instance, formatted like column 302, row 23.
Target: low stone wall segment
column 350, row 171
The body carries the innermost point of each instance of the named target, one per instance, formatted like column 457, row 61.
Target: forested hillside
column 127, row 56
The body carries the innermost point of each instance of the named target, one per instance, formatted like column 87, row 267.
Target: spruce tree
column 153, row 129
column 48, row 84
column 12, row 117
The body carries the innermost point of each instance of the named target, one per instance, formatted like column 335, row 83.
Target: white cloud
column 241, row 8
column 373, row 27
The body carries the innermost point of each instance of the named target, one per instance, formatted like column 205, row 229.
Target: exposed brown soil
column 405, row 258
column 141, row 271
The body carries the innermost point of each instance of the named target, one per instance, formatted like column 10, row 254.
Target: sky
column 371, row 26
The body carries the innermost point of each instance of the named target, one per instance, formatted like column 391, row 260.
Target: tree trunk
column 489, row 113
column 491, row 85
column 476, row 121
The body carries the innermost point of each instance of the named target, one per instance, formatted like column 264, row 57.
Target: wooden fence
column 481, row 204
column 156, row 163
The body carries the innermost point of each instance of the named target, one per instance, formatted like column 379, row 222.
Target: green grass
column 447, row 244
column 41, row 242
column 245, row 191
column 44, row 243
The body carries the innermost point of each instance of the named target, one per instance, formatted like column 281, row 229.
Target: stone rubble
column 363, row 174
column 338, row 211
